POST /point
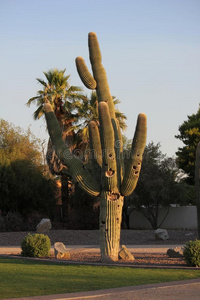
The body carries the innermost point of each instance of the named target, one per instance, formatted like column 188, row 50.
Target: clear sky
column 150, row 49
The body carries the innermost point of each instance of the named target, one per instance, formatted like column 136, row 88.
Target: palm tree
column 64, row 99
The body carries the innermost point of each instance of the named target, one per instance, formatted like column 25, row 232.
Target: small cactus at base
column 36, row 245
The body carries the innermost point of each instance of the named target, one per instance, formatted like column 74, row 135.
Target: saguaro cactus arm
column 99, row 73
column 133, row 166
column 109, row 167
column 118, row 151
column 76, row 168
column 95, row 143
column 84, row 74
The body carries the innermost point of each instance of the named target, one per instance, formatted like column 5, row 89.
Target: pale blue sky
column 150, row 49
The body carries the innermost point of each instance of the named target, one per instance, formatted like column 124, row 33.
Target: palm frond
column 75, row 89
column 38, row 113
column 41, row 81
column 31, row 100
column 63, row 71
column 40, row 101
column 49, row 76
column 41, row 92
column 120, row 115
column 116, row 101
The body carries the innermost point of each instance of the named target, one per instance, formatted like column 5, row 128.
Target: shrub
column 36, row 245
column 191, row 253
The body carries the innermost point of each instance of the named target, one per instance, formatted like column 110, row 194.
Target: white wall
column 184, row 217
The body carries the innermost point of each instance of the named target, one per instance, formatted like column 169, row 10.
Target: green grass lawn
column 21, row 278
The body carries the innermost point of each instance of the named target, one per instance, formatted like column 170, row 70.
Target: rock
column 125, row 254
column 175, row 252
column 189, row 234
column 161, row 234
column 43, row 226
column 61, row 251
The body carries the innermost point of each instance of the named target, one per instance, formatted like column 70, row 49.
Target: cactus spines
column 106, row 148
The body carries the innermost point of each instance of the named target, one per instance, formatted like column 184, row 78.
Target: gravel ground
column 140, row 259
column 91, row 237
column 128, row 237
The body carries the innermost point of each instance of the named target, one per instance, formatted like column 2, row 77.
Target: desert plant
column 35, row 245
column 191, row 253
column 106, row 150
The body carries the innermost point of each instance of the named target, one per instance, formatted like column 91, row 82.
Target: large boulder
column 161, row 234
column 176, row 252
column 61, row 251
column 125, row 254
column 43, row 226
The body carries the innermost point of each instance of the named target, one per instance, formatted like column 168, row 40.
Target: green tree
column 159, row 186
column 17, row 144
column 23, row 188
column 189, row 134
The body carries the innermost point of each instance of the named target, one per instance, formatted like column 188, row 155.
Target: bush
column 36, row 245
column 191, row 253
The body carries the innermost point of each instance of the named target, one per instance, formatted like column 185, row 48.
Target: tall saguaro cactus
column 106, row 150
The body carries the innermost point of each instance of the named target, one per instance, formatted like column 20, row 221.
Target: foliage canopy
column 23, row 188
column 18, row 144
column 158, row 186
column 189, row 134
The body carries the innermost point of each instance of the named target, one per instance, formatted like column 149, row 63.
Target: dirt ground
column 91, row 237
column 152, row 259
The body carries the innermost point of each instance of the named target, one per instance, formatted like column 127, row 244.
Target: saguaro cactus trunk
column 106, row 151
